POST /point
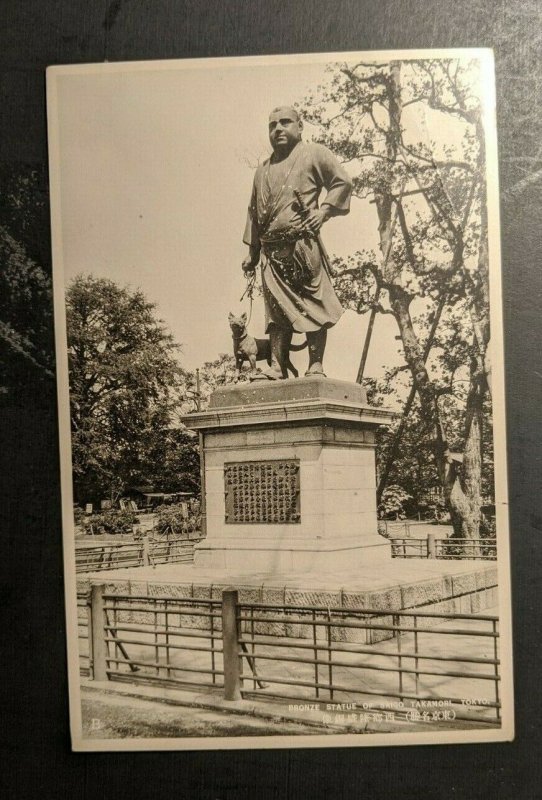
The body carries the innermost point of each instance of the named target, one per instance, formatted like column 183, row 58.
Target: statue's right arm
column 252, row 259
column 252, row 236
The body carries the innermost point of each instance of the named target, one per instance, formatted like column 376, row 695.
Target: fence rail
column 431, row 547
column 485, row 549
column 408, row 660
column 294, row 652
column 84, row 626
column 409, row 548
column 135, row 554
column 152, row 637
column 393, row 529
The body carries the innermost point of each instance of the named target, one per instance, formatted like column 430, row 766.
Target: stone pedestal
column 288, row 472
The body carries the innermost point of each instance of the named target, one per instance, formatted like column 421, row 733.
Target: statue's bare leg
column 284, row 346
column 317, row 344
column 280, row 339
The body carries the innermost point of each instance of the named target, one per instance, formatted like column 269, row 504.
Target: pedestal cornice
column 298, row 411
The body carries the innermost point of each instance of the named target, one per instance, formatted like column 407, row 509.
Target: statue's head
column 285, row 128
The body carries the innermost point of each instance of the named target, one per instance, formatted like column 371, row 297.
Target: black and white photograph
column 280, row 369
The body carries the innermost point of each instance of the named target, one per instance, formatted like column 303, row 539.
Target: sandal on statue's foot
column 316, row 369
column 257, row 375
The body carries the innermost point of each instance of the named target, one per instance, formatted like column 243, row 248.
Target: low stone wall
column 469, row 592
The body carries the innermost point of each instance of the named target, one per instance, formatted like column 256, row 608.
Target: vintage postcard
column 279, row 343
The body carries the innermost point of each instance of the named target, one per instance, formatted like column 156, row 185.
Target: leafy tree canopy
column 125, row 382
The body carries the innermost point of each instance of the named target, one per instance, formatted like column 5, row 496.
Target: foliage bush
column 177, row 519
column 111, row 521
column 382, row 528
column 393, row 498
column 438, row 513
column 488, row 528
column 79, row 516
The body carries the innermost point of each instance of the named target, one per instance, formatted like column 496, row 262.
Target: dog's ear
column 244, row 316
column 230, row 316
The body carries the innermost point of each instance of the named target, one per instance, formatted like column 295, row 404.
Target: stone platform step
column 466, row 587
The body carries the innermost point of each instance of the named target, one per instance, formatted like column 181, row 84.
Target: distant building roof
column 150, row 491
column 167, row 494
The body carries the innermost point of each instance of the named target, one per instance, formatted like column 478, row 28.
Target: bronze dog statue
column 247, row 348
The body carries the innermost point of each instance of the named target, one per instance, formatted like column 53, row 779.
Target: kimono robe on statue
column 297, row 290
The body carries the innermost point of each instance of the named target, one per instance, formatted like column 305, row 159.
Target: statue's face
column 284, row 129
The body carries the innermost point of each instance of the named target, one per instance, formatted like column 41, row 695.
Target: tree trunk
column 461, row 489
column 469, row 479
column 467, row 488
column 461, row 483
column 400, row 303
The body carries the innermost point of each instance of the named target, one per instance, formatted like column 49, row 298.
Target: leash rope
column 249, row 292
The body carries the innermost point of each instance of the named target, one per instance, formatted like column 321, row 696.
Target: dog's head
column 238, row 324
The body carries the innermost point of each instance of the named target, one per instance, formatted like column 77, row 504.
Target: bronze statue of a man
column 283, row 232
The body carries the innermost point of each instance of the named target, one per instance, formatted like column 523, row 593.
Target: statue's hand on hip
column 314, row 220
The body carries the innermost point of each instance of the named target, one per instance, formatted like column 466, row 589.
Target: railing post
column 99, row 645
column 431, row 546
column 230, row 645
column 146, row 551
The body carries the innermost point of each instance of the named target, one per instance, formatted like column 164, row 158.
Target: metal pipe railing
column 431, row 547
column 156, row 639
column 96, row 558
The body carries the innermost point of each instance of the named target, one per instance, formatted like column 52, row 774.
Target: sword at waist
column 304, row 211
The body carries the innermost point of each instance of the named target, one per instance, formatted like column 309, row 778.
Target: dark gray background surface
column 37, row 762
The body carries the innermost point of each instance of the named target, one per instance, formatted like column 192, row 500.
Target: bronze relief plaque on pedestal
column 262, row 492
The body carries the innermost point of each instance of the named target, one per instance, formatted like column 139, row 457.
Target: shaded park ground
column 107, row 716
